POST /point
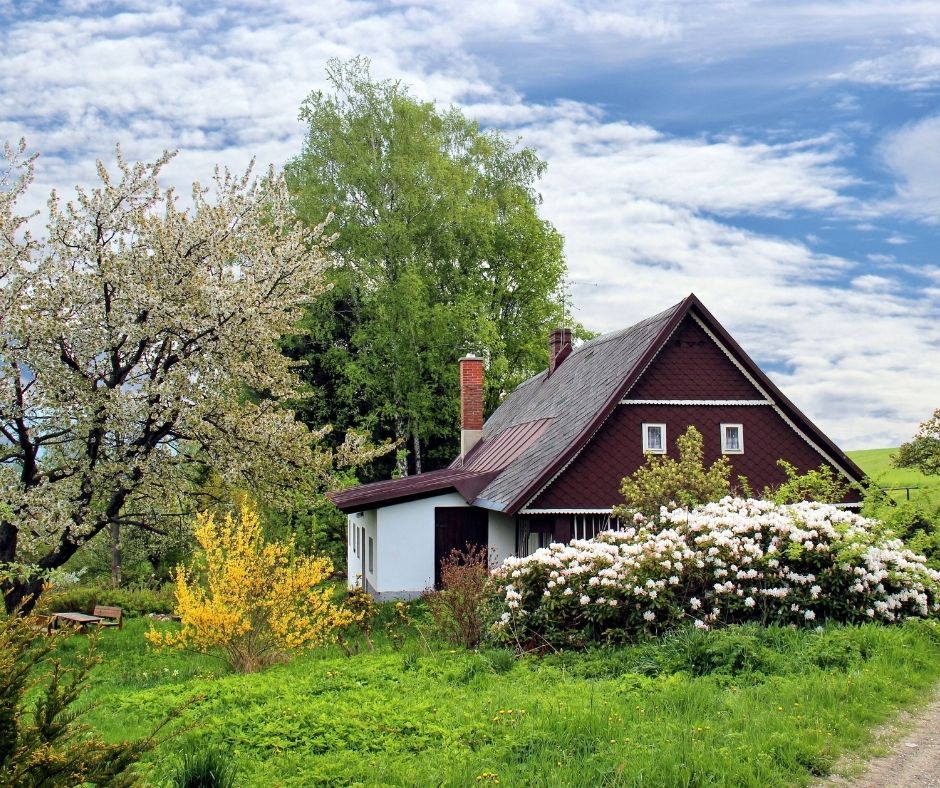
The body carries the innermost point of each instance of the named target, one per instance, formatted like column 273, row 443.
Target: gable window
column 732, row 439
column 654, row 438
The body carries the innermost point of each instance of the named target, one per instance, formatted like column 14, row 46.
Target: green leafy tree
column 440, row 251
column 923, row 450
column 682, row 482
column 819, row 484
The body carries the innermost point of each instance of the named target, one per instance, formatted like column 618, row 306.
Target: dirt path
column 914, row 760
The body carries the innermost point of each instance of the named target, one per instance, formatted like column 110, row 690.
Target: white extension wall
column 501, row 537
column 357, row 557
column 404, row 545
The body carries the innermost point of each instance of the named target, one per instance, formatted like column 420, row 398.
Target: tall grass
column 743, row 706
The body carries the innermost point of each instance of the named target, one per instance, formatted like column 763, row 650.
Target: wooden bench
column 111, row 616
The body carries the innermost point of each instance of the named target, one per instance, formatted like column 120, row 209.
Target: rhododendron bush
column 727, row 562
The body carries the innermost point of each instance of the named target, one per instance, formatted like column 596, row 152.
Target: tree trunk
column 115, row 554
column 417, row 445
column 401, row 456
column 22, row 594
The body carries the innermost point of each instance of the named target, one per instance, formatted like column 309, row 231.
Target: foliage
column 746, row 706
column 41, row 744
column 442, row 252
column 256, row 600
column 917, row 521
column 727, row 562
column 138, row 340
column 397, row 625
column 457, row 607
column 664, row 481
column 133, row 601
column 362, row 610
column 923, row 450
column 821, row 484
column 205, row 767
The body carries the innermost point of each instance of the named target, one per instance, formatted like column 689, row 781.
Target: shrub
column 133, row 601
column 727, row 562
column 41, row 742
column 457, row 607
column 663, row 481
column 204, row 767
column 362, row 610
column 256, row 600
column 821, row 484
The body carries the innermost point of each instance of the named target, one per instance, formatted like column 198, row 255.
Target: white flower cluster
column 731, row 561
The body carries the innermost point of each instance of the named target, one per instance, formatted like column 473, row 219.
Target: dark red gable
column 592, row 481
column 691, row 366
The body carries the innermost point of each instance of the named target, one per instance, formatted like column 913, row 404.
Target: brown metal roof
column 407, row 488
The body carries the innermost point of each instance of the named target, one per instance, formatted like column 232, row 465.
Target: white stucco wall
column 406, row 544
column 357, row 565
column 501, row 537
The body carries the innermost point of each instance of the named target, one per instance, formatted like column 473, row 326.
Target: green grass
column 745, row 706
column 877, row 464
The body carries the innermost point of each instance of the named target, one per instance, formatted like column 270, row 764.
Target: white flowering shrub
column 727, row 562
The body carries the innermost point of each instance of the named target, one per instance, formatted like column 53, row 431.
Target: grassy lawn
column 877, row 464
column 744, row 707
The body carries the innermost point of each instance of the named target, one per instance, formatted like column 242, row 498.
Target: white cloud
column 910, row 68
column 647, row 216
column 913, row 154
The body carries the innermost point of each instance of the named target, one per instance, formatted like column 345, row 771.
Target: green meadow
column 877, row 464
column 745, row 706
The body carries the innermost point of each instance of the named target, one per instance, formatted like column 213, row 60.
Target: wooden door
column 454, row 528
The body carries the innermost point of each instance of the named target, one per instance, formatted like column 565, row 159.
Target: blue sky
column 780, row 159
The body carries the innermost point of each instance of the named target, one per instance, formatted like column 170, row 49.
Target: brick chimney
column 471, row 402
column 559, row 346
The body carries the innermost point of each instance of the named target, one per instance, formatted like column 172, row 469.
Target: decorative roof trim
column 696, row 402
column 565, row 511
column 776, row 407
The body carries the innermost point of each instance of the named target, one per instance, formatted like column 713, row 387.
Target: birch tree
column 442, row 252
column 138, row 342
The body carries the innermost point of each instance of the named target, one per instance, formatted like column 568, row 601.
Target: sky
column 781, row 159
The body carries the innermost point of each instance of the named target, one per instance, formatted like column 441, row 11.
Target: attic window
column 732, row 439
column 654, row 438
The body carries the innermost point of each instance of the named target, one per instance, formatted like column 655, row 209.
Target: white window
column 371, row 555
column 654, row 438
column 732, row 439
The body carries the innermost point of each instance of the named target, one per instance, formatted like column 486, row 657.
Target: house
column 547, row 465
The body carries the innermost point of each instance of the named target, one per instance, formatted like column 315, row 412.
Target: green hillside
column 877, row 464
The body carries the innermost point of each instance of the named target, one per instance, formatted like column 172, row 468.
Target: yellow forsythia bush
column 251, row 598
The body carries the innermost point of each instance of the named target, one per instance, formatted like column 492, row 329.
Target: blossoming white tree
column 134, row 340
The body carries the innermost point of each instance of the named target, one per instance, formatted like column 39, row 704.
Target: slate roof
column 547, row 420
column 572, row 396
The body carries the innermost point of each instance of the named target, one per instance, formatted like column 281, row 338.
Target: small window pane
column 732, row 439
column 654, row 437
column 371, row 555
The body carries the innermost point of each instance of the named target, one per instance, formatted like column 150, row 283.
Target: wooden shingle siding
column 692, row 366
column 593, row 479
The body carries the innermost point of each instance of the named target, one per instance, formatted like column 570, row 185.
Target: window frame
column 724, row 438
column 645, row 435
